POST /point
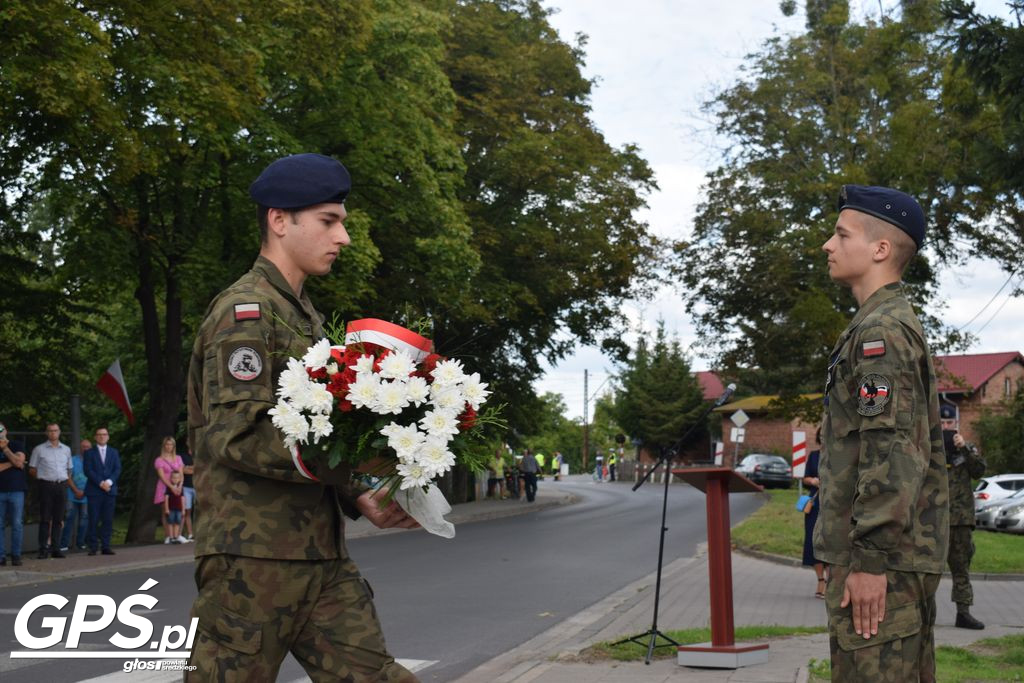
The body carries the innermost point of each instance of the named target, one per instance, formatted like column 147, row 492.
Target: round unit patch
column 245, row 364
column 872, row 395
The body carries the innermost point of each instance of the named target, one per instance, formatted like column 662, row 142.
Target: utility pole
column 586, row 426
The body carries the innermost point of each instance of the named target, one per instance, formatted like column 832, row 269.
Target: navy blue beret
column 947, row 412
column 301, row 180
column 892, row 206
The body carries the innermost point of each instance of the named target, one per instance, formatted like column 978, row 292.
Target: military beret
column 892, row 206
column 301, row 180
column 947, row 412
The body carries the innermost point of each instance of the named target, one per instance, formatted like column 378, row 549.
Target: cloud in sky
column 655, row 62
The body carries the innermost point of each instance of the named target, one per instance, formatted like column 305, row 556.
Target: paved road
column 447, row 605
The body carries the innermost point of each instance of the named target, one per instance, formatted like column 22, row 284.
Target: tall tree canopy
column 484, row 199
column 867, row 102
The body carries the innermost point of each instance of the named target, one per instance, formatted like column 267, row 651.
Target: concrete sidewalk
column 765, row 592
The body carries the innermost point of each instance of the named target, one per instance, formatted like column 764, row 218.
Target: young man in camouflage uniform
column 963, row 463
column 884, row 521
column 271, row 565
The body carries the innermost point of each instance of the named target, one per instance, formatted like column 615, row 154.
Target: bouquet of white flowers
column 384, row 403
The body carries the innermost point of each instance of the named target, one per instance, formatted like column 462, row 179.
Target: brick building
column 976, row 382
column 766, row 432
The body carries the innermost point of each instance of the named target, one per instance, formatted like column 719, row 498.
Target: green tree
column 659, row 398
column 552, row 431
column 1001, row 434
column 992, row 51
column 551, row 205
column 876, row 103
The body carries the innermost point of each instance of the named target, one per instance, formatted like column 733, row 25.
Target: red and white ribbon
column 388, row 335
column 301, row 466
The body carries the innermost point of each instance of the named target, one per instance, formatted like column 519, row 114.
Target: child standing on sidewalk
column 173, row 505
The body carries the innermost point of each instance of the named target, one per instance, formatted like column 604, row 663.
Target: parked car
column 767, row 470
column 1011, row 515
column 985, row 515
column 997, row 487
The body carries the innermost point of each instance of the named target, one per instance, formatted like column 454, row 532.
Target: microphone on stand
column 725, row 395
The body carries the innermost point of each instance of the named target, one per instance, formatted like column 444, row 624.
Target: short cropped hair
column 903, row 246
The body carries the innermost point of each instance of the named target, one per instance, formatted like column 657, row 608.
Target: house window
column 1006, row 387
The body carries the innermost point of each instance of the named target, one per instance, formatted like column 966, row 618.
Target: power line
column 975, row 317
column 1008, row 297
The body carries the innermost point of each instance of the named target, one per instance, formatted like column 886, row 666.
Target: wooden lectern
column 722, row 652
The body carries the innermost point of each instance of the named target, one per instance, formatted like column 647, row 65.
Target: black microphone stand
column 653, row 633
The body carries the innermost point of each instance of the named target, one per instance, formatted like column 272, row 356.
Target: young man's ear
column 276, row 221
column 883, row 250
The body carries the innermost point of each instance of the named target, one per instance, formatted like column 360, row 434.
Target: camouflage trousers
column 961, row 550
column 904, row 648
column 252, row 612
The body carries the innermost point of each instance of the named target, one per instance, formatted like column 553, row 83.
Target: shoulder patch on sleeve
column 871, row 349
column 872, row 394
column 250, row 311
column 245, row 364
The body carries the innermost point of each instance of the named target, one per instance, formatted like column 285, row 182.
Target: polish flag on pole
column 112, row 384
column 799, row 454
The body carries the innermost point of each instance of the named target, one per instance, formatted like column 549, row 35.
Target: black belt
column 54, row 481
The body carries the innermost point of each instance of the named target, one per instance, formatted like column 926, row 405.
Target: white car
column 995, row 488
column 985, row 515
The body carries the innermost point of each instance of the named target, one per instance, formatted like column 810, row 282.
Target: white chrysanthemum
column 448, row 398
column 417, row 390
column 397, row 365
column 321, row 427
column 364, row 364
column 291, row 423
column 404, row 440
column 435, row 456
column 318, row 355
column 413, row 474
column 332, row 368
column 317, row 399
column 474, row 391
column 294, row 381
column 440, row 423
column 448, row 372
column 363, row 392
column 391, row 398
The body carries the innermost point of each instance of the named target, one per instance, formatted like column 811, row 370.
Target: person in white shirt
column 50, row 465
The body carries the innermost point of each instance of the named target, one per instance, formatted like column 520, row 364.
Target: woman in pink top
column 168, row 461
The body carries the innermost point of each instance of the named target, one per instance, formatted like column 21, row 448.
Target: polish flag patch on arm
column 873, row 348
column 247, row 312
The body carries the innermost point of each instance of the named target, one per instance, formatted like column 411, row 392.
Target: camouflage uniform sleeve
column 238, row 391
column 892, row 463
column 974, row 462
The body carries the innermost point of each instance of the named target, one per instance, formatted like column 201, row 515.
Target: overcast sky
column 655, row 62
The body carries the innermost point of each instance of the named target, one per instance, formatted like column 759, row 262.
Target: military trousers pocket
column 222, row 625
column 899, row 622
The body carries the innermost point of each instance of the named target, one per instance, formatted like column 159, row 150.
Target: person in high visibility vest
column 556, row 465
column 613, row 459
column 540, row 464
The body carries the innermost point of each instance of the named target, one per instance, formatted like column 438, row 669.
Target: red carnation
column 467, row 420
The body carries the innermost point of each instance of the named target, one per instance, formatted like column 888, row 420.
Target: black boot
column 965, row 620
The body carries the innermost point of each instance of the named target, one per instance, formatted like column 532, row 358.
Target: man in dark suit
column 102, row 468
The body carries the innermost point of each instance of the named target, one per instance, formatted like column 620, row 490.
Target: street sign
column 736, row 434
column 799, row 454
column 739, row 418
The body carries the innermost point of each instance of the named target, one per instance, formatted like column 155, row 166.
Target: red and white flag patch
column 247, row 312
column 873, row 348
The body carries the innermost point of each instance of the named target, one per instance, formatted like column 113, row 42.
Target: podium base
column 723, row 656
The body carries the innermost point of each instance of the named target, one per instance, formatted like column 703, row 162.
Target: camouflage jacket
column 968, row 465
column 255, row 501
column 884, row 493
